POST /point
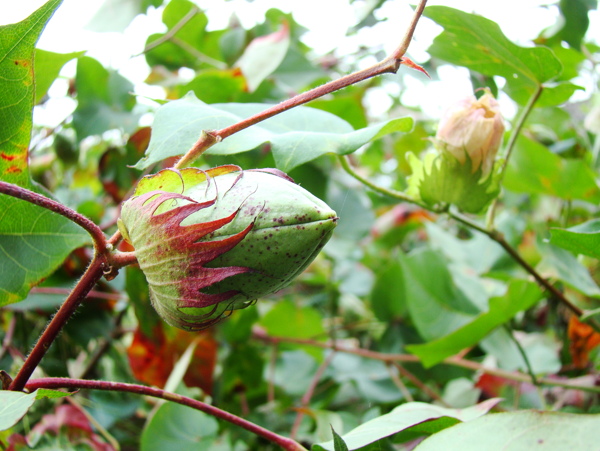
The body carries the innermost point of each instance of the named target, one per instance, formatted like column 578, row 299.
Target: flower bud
column 213, row 241
column 463, row 172
column 472, row 128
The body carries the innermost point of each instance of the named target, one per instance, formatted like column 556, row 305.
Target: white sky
column 521, row 21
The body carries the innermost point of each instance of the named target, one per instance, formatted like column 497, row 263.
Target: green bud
column 213, row 241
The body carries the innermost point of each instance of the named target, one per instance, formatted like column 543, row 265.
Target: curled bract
column 213, row 241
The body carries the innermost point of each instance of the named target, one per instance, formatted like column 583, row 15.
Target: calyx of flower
column 464, row 170
column 213, row 241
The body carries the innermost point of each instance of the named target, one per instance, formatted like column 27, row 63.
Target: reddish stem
column 391, row 64
column 49, row 204
column 74, row 384
column 92, row 275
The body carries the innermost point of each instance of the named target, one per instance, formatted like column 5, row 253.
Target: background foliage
column 408, row 318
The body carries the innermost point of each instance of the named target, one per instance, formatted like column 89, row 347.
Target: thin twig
column 514, row 134
column 19, row 192
column 304, row 402
column 391, row 64
column 76, row 384
column 397, row 380
column 509, row 331
column 173, row 31
column 454, row 361
column 419, row 384
column 93, row 294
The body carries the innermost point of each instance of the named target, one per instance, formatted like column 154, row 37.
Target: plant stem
column 519, row 124
column 509, row 331
column 75, row 384
column 345, row 163
column 309, row 393
column 19, row 192
column 92, row 275
column 391, row 64
column 454, row 361
column 514, row 134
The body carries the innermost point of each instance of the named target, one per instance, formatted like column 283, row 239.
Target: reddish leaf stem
column 42, row 201
column 75, row 384
column 391, row 64
column 92, row 275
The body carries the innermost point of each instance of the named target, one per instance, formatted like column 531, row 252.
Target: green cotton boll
column 214, row 241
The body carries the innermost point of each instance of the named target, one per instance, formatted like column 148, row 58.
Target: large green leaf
column 521, row 295
column 582, row 239
column 13, row 405
column 435, row 303
column 33, row 242
column 104, row 100
column 296, row 136
column 47, row 67
column 287, row 319
column 563, row 265
column 534, row 169
column 478, row 43
column 524, row 430
column 174, row 426
column 17, row 92
column 404, row 417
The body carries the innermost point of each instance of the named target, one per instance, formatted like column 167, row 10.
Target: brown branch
column 76, row 384
column 19, row 192
column 92, row 275
column 454, row 361
column 391, row 64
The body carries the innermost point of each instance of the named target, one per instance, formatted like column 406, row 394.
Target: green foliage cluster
column 418, row 327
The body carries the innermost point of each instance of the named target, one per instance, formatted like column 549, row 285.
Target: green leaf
column 47, row 67
column 338, row 442
column 403, row 418
column 183, row 48
column 17, row 91
column 534, row 169
column 524, row 430
column 436, row 305
column 50, row 394
column 174, row 426
column 263, row 55
column 33, row 242
column 387, row 296
column 576, row 21
column 104, row 100
column 287, row 319
column 216, row 86
column 582, row 239
column 560, row 263
column 296, row 136
column 13, row 406
column 478, row 43
column 521, row 295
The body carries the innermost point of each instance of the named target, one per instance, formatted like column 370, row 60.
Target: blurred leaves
column 478, row 43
